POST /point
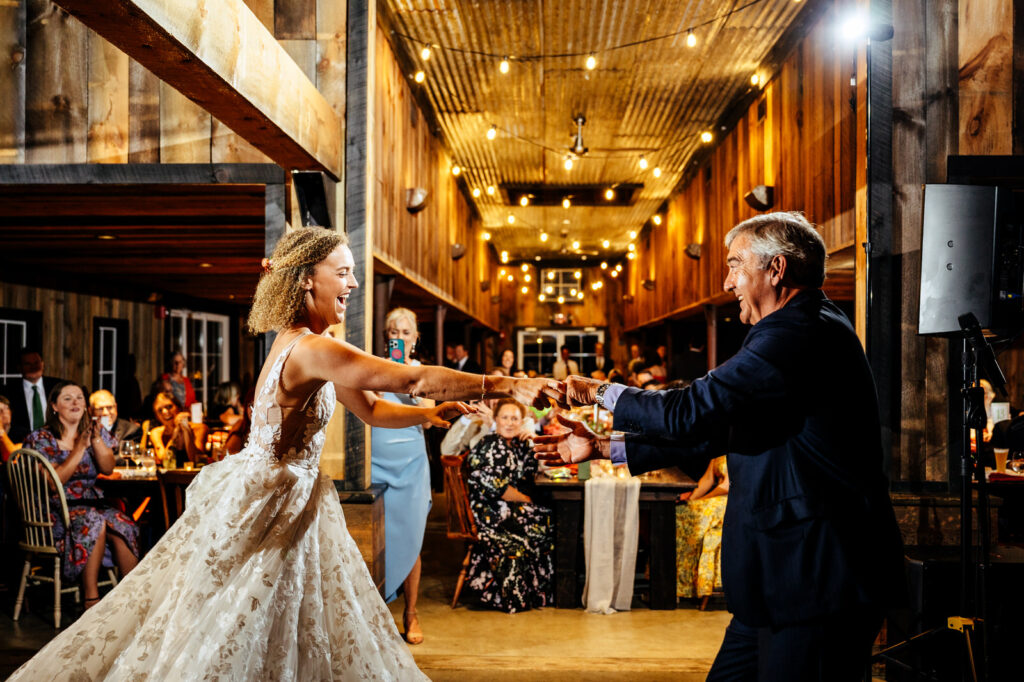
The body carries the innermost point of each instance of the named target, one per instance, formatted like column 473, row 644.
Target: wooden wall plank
column 12, row 81
column 108, row 102
column 184, row 128
column 330, row 57
column 295, row 19
column 985, row 32
column 228, row 147
column 143, row 114
column 264, row 11
column 303, row 52
column 57, row 75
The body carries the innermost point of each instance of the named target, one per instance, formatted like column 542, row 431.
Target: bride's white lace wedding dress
column 258, row 580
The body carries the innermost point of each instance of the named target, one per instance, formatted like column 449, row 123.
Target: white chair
column 32, row 478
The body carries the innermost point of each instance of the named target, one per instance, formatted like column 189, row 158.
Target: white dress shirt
column 27, row 386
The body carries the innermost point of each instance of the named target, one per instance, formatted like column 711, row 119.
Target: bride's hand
column 441, row 413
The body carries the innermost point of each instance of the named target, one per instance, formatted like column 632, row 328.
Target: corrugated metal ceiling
column 653, row 99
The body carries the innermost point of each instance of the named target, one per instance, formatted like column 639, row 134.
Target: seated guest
column 103, row 406
column 655, row 365
column 175, row 432
column 7, row 447
column 227, row 404
column 27, row 394
column 181, row 387
column 80, row 449
column 508, row 361
column 511, row 565
column 616, row 377
column 699, row 533
column 470, row 429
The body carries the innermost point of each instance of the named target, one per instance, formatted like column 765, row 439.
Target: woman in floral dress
column 511, row 566
column 80, row 449
column 699, row 533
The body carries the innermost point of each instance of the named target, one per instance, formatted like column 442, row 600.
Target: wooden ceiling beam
column 224, row 59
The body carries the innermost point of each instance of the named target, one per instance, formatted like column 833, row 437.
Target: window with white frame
column 203, row 338
column 564, row 285
column 13, row 337
column 106, row 357
column 538, row 349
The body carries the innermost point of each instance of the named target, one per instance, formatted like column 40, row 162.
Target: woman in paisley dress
column 259, row 578
column 80, row 449
column 511, row 565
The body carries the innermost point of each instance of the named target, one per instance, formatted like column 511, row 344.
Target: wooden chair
column 32, row 478
column 461, row 524
column 173, row 483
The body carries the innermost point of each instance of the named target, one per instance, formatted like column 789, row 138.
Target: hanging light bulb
column 572, row 292
column 543, row 236
column 631, row 255
column 504, row 259
column 486, row 236
column 691, row 39
column 425, row 53
column 503, row 66
column 561, row 299
column 593, row 286
column 511, row 278
column 524, row 267
column 568, row 162
column 605, row 244
column 579, row 295
column 541, row 298
column 632, row 235
column 527, row 278
column 615, row 273
column 604, row 265
column 501, row 273
column 525, row 290
column 643, row 162
column 578, row 274
column 631, row 247
column 456, row 169
column 618, row 267
column 420, row 77
column 706, row 137
column 575, row 245
column 511, row 219
column 657, row 172
column 656, row 219
column 551, row 275
column 591, row 62
column 524, row 201
column 490, row 190
column 755, row 79
column 566, row 203
column 609, row 194
column 492, row 132
column 549, row 289
column 536, row 258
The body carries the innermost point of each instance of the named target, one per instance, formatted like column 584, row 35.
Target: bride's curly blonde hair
column 279, row 295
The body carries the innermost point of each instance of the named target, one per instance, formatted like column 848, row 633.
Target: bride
column 259, row 578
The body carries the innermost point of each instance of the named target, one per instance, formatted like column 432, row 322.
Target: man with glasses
column 103, row 406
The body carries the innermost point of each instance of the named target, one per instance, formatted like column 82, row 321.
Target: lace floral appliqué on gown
column 258, row 580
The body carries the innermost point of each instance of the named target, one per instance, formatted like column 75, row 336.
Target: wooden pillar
column 382, row 288
column 359, row 214
column 711, row 343
column 12, row 82
column 439, row 333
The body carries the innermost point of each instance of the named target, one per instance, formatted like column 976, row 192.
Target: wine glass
column 124, row 450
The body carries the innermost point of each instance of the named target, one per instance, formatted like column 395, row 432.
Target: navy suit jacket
column 20, row 422
column 809, row 526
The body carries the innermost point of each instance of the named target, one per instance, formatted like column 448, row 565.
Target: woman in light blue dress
column 399, row 459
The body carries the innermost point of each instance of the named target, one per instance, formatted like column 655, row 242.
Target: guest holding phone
column 399, row 459
column 175, row 432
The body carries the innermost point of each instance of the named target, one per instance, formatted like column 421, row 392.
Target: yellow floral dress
column 699, row 542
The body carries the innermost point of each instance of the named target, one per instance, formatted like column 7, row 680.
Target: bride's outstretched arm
column 346, row 366
column 379, row 412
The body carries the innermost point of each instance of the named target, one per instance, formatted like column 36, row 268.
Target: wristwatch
column 599, row 398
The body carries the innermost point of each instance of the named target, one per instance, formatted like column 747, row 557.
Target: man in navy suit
column 28, row 395
column 811, row 554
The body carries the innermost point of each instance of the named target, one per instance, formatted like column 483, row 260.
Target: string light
column 524, row 267
column 492, row 132
column 566, row 203
column 511, row 278
column 425, row 53
column 618, row 267
column 631, row 247
column 591, row 62
column 536, row 258
column 549, row 289
column 706, row 137
column 476, row 192
column 568, row 162
column 420, row 77
column 525, row 290
column 486, row 236
column 755, row 79
column 551, row 275
column 604, row 265
column 456, row 169
column 575, row 246
column 511, row 219
column 609, row 194
column 572, row 292
column 524, row 201
column 541, row 298
column 691, row 39
column 527, row 278
column 501, row 273
column 631, row 255
column 632, row 235
column 656, row 219
column 643, row 162
column 490, row 190
column 605, row 244
column 503, row 67
column 504, row 259
column 543, row 236
column 580, row 295
column 615, row 273
column 561, row 299
column 578, row 274
column 657, row 172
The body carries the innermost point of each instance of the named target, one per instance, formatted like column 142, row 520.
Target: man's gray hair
column 787, row 234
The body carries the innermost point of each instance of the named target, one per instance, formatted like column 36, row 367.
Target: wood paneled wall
column 69, row 96
column 419, row 245
column 799, row 137
column 67, row 330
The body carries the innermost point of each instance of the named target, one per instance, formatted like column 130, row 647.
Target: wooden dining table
column 659, row 491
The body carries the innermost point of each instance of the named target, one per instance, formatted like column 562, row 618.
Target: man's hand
column 580, row 391
column 538, row 392
column 576, row 443
column 440, row 414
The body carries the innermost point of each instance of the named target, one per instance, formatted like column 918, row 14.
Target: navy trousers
column 832, row 648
